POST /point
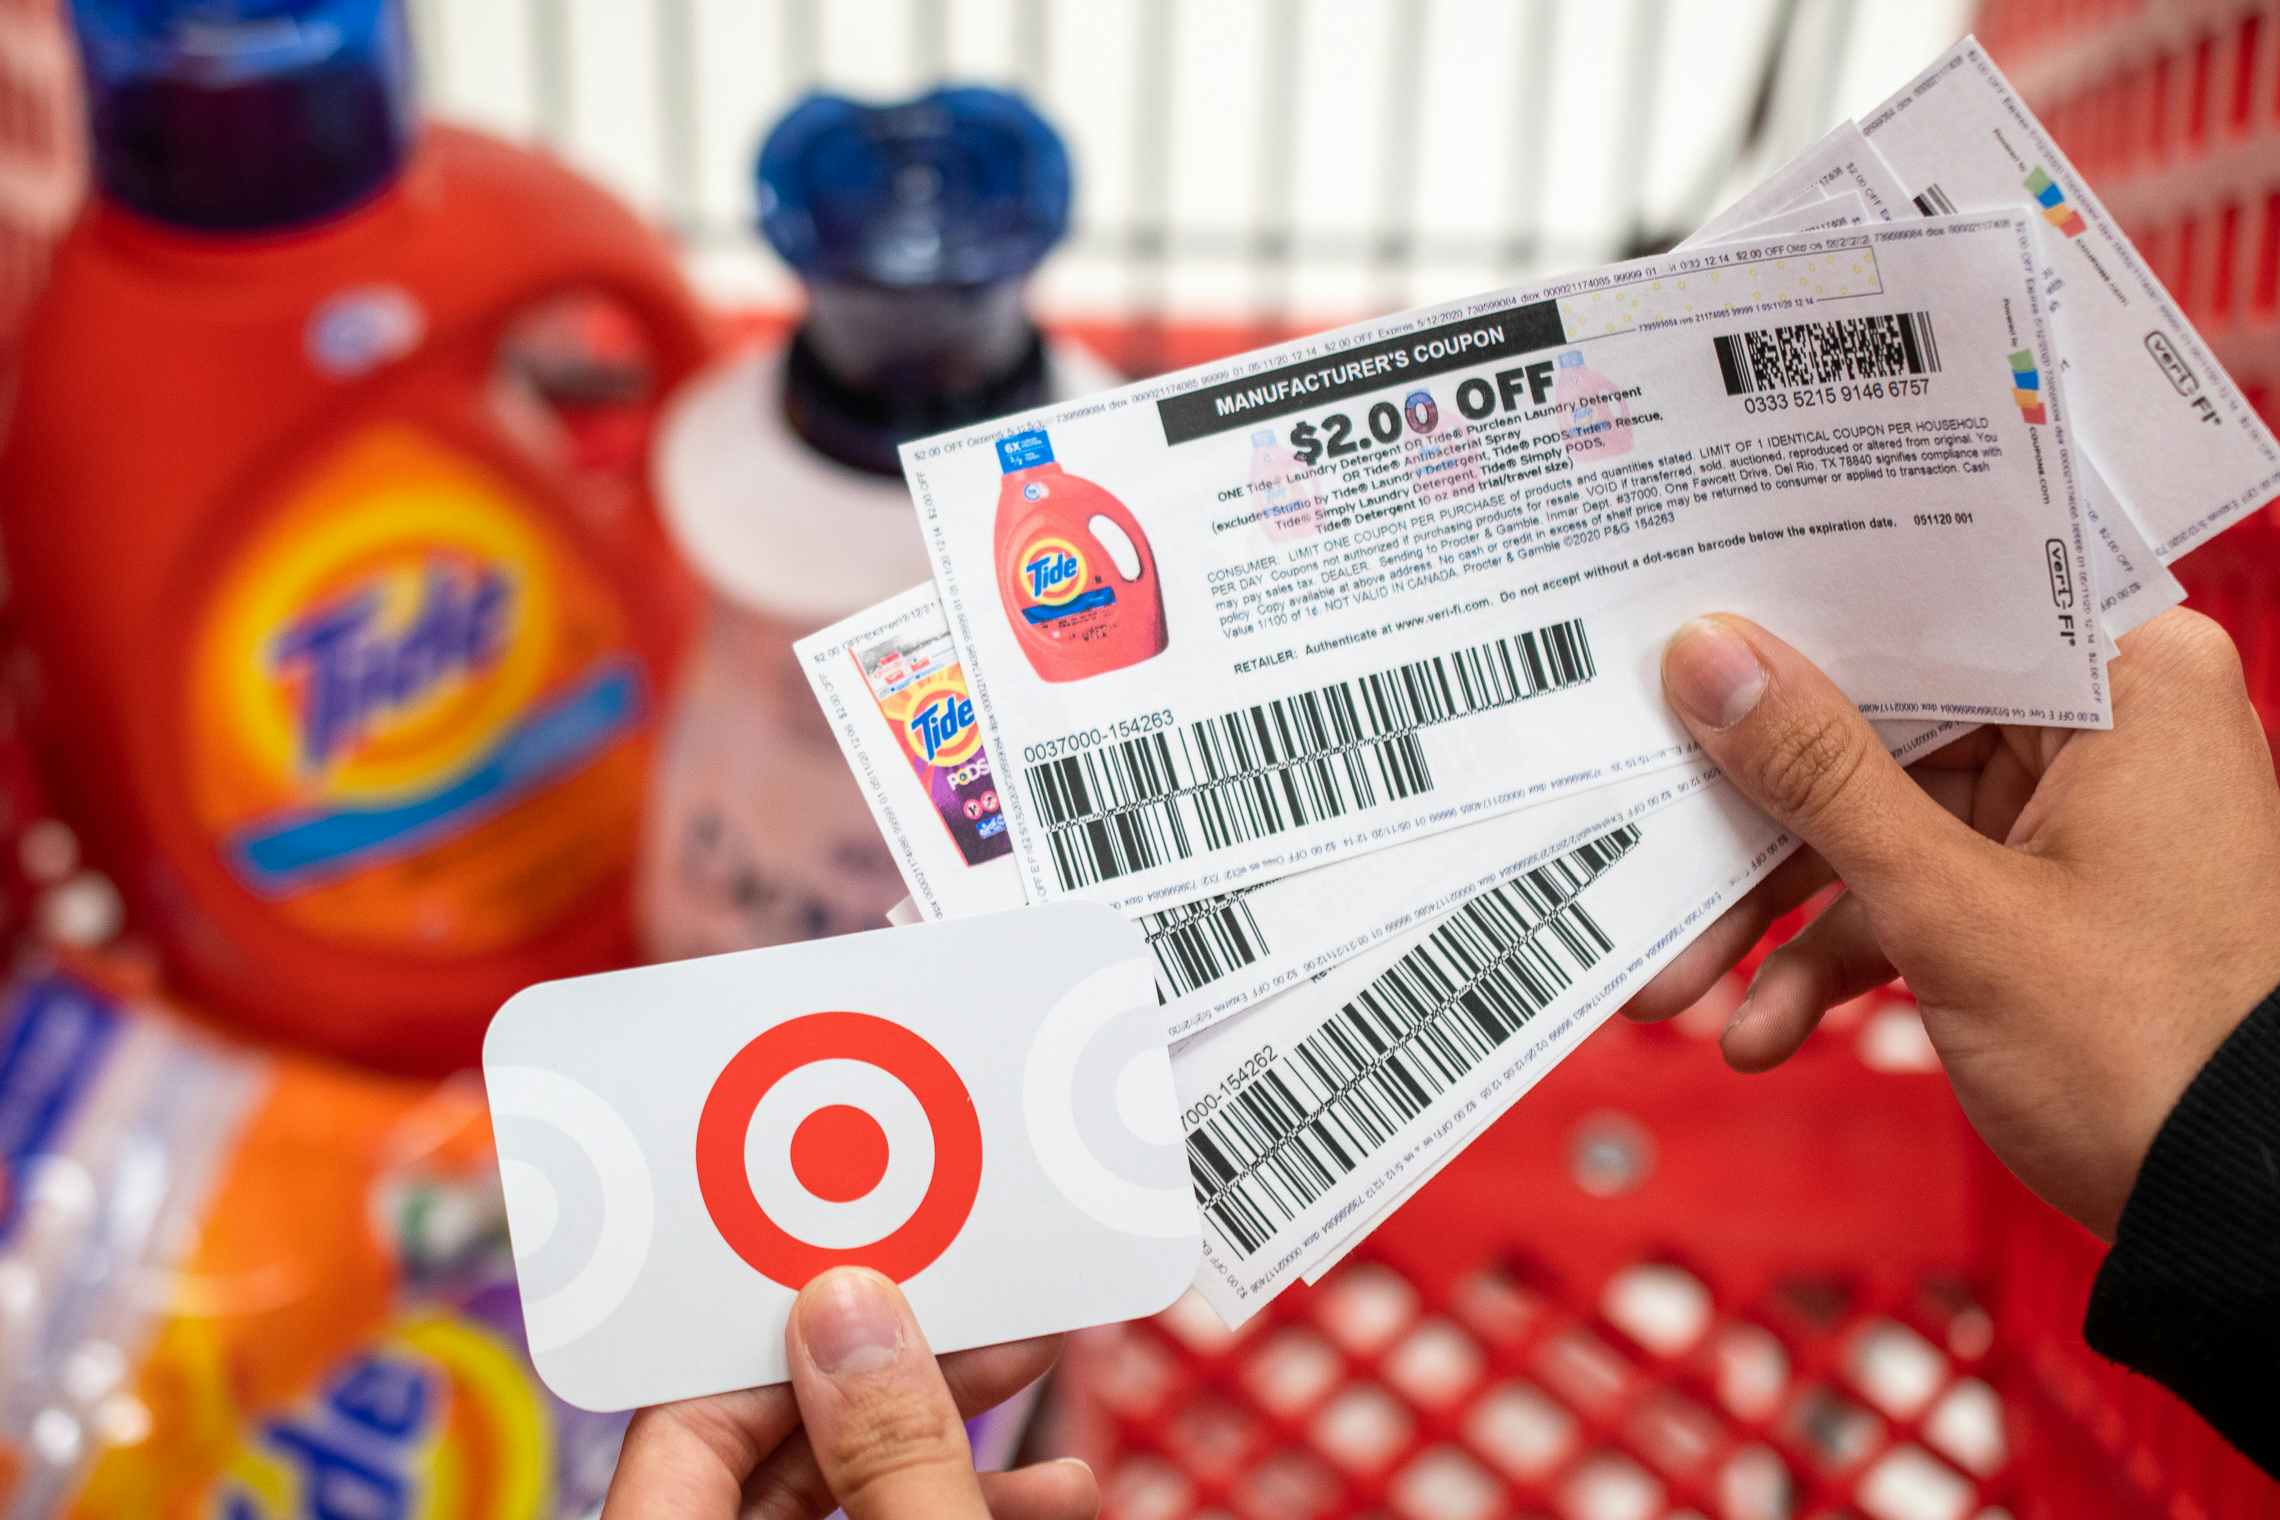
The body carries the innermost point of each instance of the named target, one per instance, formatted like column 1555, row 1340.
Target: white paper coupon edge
column 1840, row 163
column 2129, row 354
column 1650, row 904
column 2132, row 583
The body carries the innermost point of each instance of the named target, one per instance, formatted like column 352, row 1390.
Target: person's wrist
column 2161, row 1070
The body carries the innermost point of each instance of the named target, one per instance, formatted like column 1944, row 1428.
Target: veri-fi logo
column 1052, row 571
column 2026, row 386
column 941, row 730
column 2052, row 199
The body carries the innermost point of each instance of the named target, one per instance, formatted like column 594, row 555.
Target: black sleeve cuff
column 2190, row 1294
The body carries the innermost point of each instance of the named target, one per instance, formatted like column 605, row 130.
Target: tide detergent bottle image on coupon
column 1074, row 570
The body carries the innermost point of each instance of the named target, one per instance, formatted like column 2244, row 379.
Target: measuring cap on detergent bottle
column 245, row 115
column 914, row 226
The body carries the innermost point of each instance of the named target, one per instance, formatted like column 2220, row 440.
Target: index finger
column 692, row 1458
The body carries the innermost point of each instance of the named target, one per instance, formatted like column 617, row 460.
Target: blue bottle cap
column 958, row 187
column 245, row 115
column 914, row 227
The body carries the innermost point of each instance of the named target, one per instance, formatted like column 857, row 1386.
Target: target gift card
column 981, row 1109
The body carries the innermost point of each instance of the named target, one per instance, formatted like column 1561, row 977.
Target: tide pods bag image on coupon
column 981, row 1110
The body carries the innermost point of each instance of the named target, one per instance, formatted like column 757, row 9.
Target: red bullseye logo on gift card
column 838, row 1139
column 981, row 1110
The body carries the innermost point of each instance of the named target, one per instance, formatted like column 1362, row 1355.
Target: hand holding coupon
column 1290, row 763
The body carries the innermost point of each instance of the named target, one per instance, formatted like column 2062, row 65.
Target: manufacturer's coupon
column 1337, row 595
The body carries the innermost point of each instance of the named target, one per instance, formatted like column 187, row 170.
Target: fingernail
column 1713, row 672
column 850, row 1322
column 1734, row 1019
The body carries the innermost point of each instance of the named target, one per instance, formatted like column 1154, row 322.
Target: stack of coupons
column 1334, row 666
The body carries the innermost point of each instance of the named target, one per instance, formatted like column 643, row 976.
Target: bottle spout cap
column 959, row 187
column 914, row 227
column 245, row 116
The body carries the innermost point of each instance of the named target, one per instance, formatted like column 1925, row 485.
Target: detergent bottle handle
column 544, row 233
column 640, row 282
column 1116, row 512
column 680, row 338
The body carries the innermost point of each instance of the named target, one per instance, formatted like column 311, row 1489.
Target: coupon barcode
column 1199, row 942
column 1132, row 804
column 1815, row 353
column 1934, row 202
column 1318, row 1111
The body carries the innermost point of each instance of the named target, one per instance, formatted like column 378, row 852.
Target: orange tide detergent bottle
column 1074, row 570
column 347, row 672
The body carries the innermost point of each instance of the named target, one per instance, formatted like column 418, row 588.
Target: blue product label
column 1099, row 596
column 53, row 1037
column 552, row 740
column 1023, row 451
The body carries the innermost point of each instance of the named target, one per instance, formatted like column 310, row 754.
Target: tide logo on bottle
column 395, row 661
column 941, row 730
column 1052, row 572
column 438, row 1417
column 357, row 665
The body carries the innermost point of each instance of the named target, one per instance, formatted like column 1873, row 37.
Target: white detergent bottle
column 914, row 228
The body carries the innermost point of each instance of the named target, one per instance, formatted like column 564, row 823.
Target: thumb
column 1791, row 742
column 879, row 1417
